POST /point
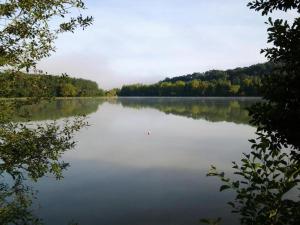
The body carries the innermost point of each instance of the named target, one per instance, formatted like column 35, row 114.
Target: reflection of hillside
column 211, row 109
column 60, row 108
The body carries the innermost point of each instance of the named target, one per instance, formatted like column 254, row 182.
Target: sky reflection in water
column 121, row 175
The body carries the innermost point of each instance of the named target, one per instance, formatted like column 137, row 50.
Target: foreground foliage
column 29, row 151
column 26, row 34
column 267, row 183
column 28, row 30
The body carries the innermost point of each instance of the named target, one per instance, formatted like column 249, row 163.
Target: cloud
column 145, row 41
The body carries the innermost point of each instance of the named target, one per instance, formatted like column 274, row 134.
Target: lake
column 144, row 161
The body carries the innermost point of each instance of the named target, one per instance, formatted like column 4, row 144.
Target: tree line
column 236, row 82
column 27, row 85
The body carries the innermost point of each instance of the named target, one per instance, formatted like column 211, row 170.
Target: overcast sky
column 144, row 41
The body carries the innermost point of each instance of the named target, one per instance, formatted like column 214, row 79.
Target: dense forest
column 236, row 82
column 28, row 85
column 244, row 81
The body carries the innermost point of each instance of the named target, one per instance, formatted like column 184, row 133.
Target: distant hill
column 30, row 85
column 244, row 81
column 232, row 74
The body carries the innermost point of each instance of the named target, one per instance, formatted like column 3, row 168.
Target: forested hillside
column 26, row 85
column 236, row 82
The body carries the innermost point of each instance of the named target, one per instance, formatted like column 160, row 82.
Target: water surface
column 120, row 175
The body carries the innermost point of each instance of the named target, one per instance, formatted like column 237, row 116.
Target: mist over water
column 144, row 160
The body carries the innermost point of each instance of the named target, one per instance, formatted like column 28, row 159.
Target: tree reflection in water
column 211, row 109
column 29, row 151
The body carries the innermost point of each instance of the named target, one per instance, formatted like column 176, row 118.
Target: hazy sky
column 145, row 41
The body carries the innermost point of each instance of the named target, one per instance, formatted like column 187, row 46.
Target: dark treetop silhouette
column 271, row 171
column 237, row 82
column 27, row 33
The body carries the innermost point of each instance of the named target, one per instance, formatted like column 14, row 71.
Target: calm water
column 120, row 175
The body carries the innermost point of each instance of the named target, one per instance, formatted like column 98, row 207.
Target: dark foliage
column 267, row 187
column 236, row 82
column 280, row 114
column 25, row 85
column 28, row 30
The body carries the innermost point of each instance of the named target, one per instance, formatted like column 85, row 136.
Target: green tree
column 234, row 89
column 26, row 36
column 237, row 82
column 271, row 170
column 29, row 85
column 112, row 93
column 67, row 90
